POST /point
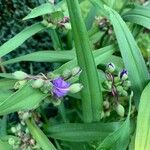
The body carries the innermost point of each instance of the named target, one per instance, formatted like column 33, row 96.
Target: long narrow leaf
column 91, row 93
column 44, row 56
column 77, row 132
column 43, row 9
column 139, row 15
column 142, row 140
column 17, row 40
column 25, row 98
column 39, row 136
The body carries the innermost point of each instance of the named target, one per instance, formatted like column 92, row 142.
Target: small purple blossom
column 60, row 87
column 123, row 73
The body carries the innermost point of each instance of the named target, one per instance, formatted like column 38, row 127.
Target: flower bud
column 120, row 110
column 18, row 127
column 20, row 75
column 66, row 73
column 127, row 83
column 123, row 75
column 76, row 71
column 110, row 67
column 124, row 93
column 51, row 75
column 119, row 88
column 13, row 130
column 116, row 80
column 19, row 84
column 67, row 26
column 106, row 104
column 107, row 113
column 38, row 83
column 26, row 115
column 74, row 88
column 107, row 85
column 11, row 141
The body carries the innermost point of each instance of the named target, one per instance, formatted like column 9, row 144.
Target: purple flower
column 60, row 87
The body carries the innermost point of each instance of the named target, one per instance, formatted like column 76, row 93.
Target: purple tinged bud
column 60, row 87
column 123, row 74
column 111, row 67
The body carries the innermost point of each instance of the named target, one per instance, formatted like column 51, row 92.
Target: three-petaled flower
column 60, row 87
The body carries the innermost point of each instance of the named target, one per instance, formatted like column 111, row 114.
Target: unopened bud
column 106, row 104
column 107, row 85
column 74, row 88
column 120, row 110
column 123, row 75
column 110, row 67
column 19, row 84
column 66, row 73
column 20, row 75
column 107, row 113
column 119, row 88
column 67, row 26
column 127, row 83
column 116, row 79
column 38, row 83
column 11, row 141
column 25, row 115
column 18, row 127
column 13, row 130
column 76, row 71
column 124, row 93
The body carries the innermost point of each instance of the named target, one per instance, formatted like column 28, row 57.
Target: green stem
column 55, row 39
column 91, row 94
column 62, row 112
column 69, row 40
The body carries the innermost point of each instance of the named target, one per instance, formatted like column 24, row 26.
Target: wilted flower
column 60, row 87
column 123, row 74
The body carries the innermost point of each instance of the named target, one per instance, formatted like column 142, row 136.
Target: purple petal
column 60, row 87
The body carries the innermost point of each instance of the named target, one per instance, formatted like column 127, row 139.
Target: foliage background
column 12, row 12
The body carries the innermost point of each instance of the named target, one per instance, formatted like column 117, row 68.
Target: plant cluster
column 95, row 93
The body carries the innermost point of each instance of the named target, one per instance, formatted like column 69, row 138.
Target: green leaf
column 44, row 56
column 119, row 139
column 5, row 145
column 139, row 15
column 6, row 84
column 99, row 56
column 78, row 132
column 25, row 98
column 17, row 40
column 39, row 136
column 142, row 139
column 91, row 94
column 43, row 9
column 132, row 57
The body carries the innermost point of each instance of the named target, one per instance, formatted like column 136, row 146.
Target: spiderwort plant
column 85, row 101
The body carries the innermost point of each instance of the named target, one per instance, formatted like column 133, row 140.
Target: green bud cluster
column 23, row 139
column 117, row 85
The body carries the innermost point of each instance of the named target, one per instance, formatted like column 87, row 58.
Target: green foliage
column 39, row 136
column 142, row 129
column 91, row 42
